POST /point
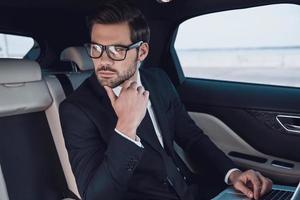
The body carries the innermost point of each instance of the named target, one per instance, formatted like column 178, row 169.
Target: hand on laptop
column 251, row 183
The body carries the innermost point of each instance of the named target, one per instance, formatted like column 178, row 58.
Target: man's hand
column 251, row 183
column 130, row 107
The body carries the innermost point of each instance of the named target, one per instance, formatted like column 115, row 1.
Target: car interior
column 256, row 125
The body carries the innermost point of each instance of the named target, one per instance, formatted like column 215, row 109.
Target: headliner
column 56, row 24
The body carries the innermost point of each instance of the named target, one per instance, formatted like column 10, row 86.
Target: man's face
column 109, row 72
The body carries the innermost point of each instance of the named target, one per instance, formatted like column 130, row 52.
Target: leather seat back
column 28, row 157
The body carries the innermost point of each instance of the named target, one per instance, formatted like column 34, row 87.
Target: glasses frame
column 106, row 47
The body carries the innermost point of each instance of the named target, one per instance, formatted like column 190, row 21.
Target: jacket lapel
column 104, row 114
column 159, row 108
column 100, row 92
column 146, row 132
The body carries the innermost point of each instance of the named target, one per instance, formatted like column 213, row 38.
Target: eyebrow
column 123, row 45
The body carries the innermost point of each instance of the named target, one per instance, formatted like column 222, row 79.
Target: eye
column 119, row 49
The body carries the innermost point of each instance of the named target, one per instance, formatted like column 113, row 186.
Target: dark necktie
column 147, row 134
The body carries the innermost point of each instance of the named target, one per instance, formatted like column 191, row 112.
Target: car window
column 255, row 45
column 15, row 46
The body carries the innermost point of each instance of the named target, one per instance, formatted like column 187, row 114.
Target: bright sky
column 265, row 26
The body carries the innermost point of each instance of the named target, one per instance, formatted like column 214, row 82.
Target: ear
column 143, row 51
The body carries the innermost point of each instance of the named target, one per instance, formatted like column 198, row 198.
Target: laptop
column 278, row 192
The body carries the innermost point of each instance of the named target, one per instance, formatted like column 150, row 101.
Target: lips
column 106, row 74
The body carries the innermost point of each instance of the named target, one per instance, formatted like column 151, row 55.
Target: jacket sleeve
column 102, row 170
column 192, row 139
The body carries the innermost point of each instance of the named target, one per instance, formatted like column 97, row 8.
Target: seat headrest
column 79, row 56
column 19, row 71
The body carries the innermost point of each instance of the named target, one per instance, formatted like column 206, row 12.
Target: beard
column 121, row 76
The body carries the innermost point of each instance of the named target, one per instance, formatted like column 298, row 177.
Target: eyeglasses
column 114, row 52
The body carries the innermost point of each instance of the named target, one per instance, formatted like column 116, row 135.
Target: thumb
column 110, row 94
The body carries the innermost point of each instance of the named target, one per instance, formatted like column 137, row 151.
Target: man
column 120, row 124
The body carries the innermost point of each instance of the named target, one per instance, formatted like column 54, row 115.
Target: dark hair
column 119, row 11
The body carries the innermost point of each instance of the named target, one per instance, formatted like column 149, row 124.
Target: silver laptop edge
column 296, row 194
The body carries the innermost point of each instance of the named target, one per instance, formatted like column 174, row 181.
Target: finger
column 126, row 84
column 133, row 85
column 240, row 186
column 146, row 94
column 266, row 184
column 252, row 176
column 110, row 94
column 140, row 89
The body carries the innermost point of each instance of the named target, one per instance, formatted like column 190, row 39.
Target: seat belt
column 65, row 83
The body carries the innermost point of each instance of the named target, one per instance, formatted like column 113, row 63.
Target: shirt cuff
column 136, row 141
column 228, row 174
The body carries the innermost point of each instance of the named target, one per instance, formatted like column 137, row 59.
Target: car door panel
column 242, row 119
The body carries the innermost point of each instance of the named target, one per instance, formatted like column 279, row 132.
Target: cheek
column 95, row 62
column 120, row 68
column 127, row 67
column 131, row 60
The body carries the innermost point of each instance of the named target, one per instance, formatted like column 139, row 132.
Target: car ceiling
column 61, row 23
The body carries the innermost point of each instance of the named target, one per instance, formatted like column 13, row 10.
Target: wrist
column 234, row 176
column 127, row 129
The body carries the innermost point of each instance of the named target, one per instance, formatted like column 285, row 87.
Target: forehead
column 108, row 34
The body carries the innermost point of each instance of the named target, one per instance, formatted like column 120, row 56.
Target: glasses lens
column 117, row 52
column 94, row 50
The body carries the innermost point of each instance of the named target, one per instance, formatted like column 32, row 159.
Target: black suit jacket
column 108, row 166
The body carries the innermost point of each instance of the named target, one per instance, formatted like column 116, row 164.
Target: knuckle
column 269, row 181
column 142, row 89
column 265, row 180
column 130, row 90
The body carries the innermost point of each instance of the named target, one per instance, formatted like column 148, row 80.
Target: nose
column 104, row 60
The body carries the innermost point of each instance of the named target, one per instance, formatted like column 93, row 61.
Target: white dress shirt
column 137, row 140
